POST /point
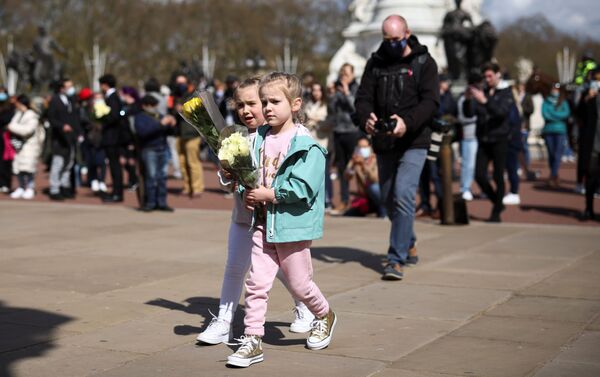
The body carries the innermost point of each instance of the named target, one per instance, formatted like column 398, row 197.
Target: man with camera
column 395, row 103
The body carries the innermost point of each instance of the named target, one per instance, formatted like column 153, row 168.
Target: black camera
column 441, row 125
column 385, row 125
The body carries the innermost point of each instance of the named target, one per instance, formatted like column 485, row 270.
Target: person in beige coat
column 26, row 137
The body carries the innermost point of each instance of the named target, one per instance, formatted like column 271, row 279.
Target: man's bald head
column 395, row 27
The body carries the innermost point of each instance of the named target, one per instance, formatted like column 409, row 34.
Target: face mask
column 594, row 85
column 152, row 110
column 71, row 91
column 365, row 152
column 395, row 49
column 3, row 96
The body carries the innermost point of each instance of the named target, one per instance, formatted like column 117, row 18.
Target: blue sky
column 580, row 17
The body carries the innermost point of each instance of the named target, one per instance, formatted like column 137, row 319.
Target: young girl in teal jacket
column 288, row 214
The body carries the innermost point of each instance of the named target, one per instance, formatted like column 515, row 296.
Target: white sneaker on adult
column 304, row 319
column 18, row 193
column 102, row 187
column 4, row 189
column 218, row 331
column 95, row 186
column 467, row 195
column 511, row 199
column 580, row 189
column 28, row 194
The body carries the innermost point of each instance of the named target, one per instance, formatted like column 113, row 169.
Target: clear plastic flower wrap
column 202, row 113
column 235, row 155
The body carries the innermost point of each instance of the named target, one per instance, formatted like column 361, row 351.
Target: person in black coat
column 64, row 119
column 395, row 103
column 112, row 125
column 492, row 107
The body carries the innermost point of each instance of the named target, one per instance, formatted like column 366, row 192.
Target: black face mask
column 394, row 49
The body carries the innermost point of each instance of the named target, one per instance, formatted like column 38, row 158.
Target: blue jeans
column 374, row 194
column 555, row 143
column 156, row 163
column 399, row 179
column 468, row 151
column 524, row 137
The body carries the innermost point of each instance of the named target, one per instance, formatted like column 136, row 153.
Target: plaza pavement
column 109, row 291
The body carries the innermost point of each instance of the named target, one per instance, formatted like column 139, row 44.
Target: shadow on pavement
column 342, row 255
column 23, row 341
column 201, row 306
column 561, row 211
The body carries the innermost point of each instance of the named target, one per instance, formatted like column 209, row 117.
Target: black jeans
column 496, row 153
column 592, row 181
column 344, row 143
column 112, row 153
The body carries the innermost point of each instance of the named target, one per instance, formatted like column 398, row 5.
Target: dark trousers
column 344, row 143
column 430, row 174
column 5, row 166
column 592, row 181
column 112, row 153
column 512, row 167
column 496, row 153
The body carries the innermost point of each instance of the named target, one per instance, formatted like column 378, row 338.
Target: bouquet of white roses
column 100, row 109
column 235, row 155
column 201, row 112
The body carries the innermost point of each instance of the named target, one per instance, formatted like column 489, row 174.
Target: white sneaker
column 511, row 199
column 28, row 194
column 102, row 187
column 467, row 195
column 17, row 194
column 580, row 189
column 95, row 186
column 304, row 319
column 218, row 331
column 4, row 189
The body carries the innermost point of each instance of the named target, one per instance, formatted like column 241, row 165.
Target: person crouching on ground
column 152, row 130
column 363, row 167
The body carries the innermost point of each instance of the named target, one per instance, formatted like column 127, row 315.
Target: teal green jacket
column 555, row 118
column 299, row 186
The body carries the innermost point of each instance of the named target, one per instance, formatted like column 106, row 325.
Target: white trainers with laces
column 467, row 195
column 511, row 199
column 218, row 331
column 28, row 194
column 304, row 319
column 102, row 187
column 18, row 193
column 250, row 352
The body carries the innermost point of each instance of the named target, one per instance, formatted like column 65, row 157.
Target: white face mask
column 365, row 152
column 71, row 91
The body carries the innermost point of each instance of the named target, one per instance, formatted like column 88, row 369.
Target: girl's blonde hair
column 291, row 87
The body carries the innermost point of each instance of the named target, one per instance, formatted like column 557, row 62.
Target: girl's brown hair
column 250, row 81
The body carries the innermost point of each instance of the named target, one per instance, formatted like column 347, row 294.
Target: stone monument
column 425, row 18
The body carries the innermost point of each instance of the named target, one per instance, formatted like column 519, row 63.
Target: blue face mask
column 3, row 97
column 365, row 152
column 394, row 48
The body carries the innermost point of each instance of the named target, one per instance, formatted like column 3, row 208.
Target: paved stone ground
column 108, row 291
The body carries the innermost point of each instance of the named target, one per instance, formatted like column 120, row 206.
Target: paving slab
column 55, row 359
column 431, row 275
column 579, row 280
column 567, row 369
column 586, row 349
column 210, row 361
column 424, row 302
column 410, row 373
column 548, row 308
column 534, row 331
column 477, row 357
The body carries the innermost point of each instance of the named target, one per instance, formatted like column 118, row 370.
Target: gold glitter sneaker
column 250, row 352
column 322, row 331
